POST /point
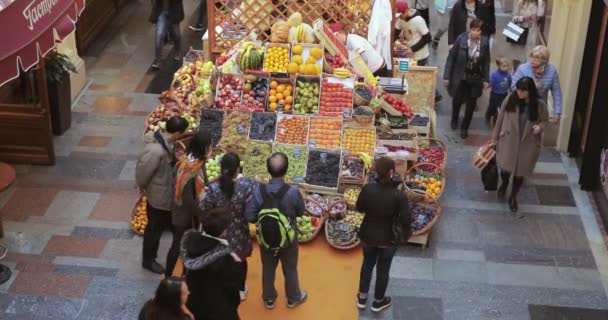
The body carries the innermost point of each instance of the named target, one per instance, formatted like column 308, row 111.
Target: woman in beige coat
column 518, row 137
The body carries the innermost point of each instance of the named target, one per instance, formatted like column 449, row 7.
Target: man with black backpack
column 274, row 208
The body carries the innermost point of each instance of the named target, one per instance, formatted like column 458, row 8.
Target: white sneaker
column 243, row 294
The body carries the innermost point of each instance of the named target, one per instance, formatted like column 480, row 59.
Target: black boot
column 464, row 133
column 502, row 191
column 517, row 183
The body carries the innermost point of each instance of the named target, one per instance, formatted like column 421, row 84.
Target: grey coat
column 458, row 56
column 154, row 173
column 514, row 153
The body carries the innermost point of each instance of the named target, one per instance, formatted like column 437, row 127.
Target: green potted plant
column 58, row 67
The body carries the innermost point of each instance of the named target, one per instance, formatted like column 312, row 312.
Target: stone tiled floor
column 74, row 257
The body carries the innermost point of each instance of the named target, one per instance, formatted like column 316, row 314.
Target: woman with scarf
column 518, row 137
column 233, row 192
column 466, row 73
column 190, row 183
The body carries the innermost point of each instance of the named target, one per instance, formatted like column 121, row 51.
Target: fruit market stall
column 260, row 98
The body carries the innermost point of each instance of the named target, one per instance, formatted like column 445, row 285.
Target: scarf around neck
column 188, row 168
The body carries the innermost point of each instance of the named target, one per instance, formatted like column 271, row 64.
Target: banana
column 342, row 73
column 367, row 162
column 300, row 33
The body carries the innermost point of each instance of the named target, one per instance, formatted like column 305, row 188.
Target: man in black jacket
column 167, row 14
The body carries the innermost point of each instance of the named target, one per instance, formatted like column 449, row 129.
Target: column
column 569, row 22
column 77, row 80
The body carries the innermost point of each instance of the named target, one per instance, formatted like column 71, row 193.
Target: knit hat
column 401, row 6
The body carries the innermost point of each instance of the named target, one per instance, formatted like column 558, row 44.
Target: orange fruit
column 273, row 84
column 272, row 92
column 272, row 98
column 281, row 88
column 287, row 107
column 288, row 99
column 273, row 106
column 280, row 96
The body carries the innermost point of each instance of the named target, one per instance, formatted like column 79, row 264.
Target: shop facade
column 588, row 137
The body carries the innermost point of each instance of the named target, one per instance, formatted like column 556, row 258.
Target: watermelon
column 250, row 60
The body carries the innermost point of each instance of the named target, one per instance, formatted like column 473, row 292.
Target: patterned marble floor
column 74, row 257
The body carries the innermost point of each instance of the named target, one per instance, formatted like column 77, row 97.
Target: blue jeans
column 164, row 27
column 381, row 258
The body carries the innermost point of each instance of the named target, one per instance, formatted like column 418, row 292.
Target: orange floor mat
column 331, row 278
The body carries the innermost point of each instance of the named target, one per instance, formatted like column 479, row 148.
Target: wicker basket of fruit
column 309, row 228
column 351, row 194
column 342, row 234
column 316, row 205
column 430, row 182
column 433, row 151
column 362, row 96
column 139, row 218
column 332, row 62
column 424, row 216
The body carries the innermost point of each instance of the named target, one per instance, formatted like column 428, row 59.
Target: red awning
column 29, row 29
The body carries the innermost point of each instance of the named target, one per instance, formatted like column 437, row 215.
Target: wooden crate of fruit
column 300, row 54
column 325, row 132
column 235, row 128
column 280, row 95
column 139, row 217
column 256, row 153
column 255, row 91
column 337, row 96
column 323, row 170
column 297, row 156
column 357, row 139
column 292, row 129
column 229, row 91
column 307, row 95
column 276, row 57
column 263, row 126
column 352, row 172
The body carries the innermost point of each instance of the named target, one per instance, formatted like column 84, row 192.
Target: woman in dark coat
column 213, row 271
column 167, row 14
column 466, row 73
column 518, row 137
column 465, row 11
column 233, row 192
column 190, row 184
column 381, row 203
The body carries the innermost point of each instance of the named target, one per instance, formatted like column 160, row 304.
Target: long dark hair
column 167, row 303
column 525, row 84
column 200, row 143
column 230, row 165
column 383, row 167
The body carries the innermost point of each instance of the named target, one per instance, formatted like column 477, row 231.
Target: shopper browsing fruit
column 372, row 58
column 213, row 271
column 233, row 191
column 386, row 222
column 154, row 175
column 275, row 207
column 190, row 182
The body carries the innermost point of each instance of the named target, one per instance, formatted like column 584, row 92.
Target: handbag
column 483, row 156
column 398, row 235
column 489, row 176
column 516, row 34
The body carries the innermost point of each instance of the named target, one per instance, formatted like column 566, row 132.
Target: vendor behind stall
column 414, row 31
column 373, row 59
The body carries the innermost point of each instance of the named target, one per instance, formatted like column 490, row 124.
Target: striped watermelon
column 250, row 60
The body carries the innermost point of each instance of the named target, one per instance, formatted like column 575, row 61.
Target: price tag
column 346, row 152
column 313, row 143
column 323, row 156
column 280, row 107
column 296, row 153
column 282, row 131
column 346, row 112
column 240, row 129
column 420, row 218
column 298, row 180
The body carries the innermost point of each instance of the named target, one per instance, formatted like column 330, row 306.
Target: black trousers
column 158, row 221
column 244, row 273
column 381, row 258
column 463, row 94
column 495, row 103
column 173, row 254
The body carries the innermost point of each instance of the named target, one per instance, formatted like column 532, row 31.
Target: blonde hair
column 502, row 60
column 542, row 52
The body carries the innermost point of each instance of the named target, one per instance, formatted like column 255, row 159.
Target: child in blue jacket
column 500, row 84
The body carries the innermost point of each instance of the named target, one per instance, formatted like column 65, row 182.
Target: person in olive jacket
column 383, row 206
column 167, row 14
column 154, row 176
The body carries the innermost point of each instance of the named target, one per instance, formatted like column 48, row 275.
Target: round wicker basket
column 435, row 205
column 422, row 168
